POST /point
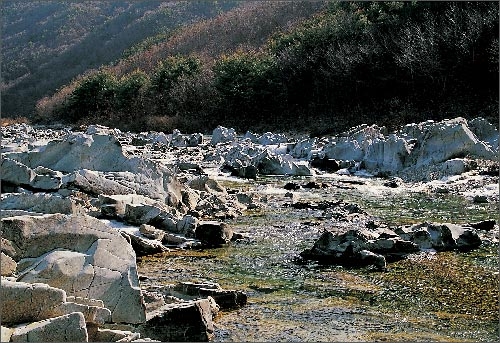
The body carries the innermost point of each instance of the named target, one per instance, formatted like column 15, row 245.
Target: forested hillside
column 317, row 66
column 45, row 44
column 246, row 28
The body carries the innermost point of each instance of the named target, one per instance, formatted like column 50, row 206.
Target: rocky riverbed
column 366, row 235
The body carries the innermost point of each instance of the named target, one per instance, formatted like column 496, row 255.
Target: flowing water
column 427, row 297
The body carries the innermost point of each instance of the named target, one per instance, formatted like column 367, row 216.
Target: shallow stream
column 426, row 297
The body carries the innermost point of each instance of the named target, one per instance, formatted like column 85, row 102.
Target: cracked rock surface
column 80, row 255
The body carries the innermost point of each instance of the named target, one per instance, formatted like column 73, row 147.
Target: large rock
column 103, row 155
column 386, row 155
column 414, row 146
column 6, row 246
column 93, row 310
column 392, row 248
column 24, row 302
column 212, row 233
column 326, row 164
column 47, row 179
column 183, row 322
column 221, row 207
column 145, row 247
column 485, row 131
column 110, row 335
column 190, row 198
column 250, row 136
column 158, row 137
column 346, row 249
column 96, row 183
column 116, row 205
column 186, row 140
column 187, row 225
column 140, row 214
column 247, row 172
column 306, row 148
column 438, row 142
column 79, row 151
column 370, row 145
column 67, row 328
column 207, row 184
column 359, row 247
column 279, row 165
column 15, row 172
column 270, row 138
column 353, row 144
column 39, row 202
column 457, row 166
column 150, row 232
column 441, row 236
column 27, row 302
column 344, row 149
column 81, row 255
column 225, row 298
column 222, row 135
column 180, row 241
column 243, row 154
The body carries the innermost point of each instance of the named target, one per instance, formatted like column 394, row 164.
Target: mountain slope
column 290, row 65
column 246, row 28
column 317, row 66
column 45, row 44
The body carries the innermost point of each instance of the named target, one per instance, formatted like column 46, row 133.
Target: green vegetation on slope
column 350, row 62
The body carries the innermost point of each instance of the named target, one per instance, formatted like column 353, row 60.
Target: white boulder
column 87, row 157
column 344, row 148
column 485, row 131
column 28, row 302
column 15, row 172
column 304, row 149
column 446, row 140
column 386, row 154
column 39, row 203
column 270, row 138
column 81, row 255
column 456, row 166
column 188, row 140
column 281, row 165
column 67, row 328
column 190, row 321
column 222, row 135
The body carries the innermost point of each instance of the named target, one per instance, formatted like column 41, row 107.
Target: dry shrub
column 12, row 121
column 160, row 123
column 49, row 107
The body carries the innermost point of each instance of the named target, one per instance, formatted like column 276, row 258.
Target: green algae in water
column 394, row 207
column 409, row 302
column 451, row 289
column 419, row 207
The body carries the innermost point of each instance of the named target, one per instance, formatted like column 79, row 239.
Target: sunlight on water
column 297, row 301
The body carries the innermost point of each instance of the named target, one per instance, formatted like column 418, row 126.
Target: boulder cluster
column 417, row 151
column 375, row 246
column 355, row 238
column 79, row 205
column 67, row 273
